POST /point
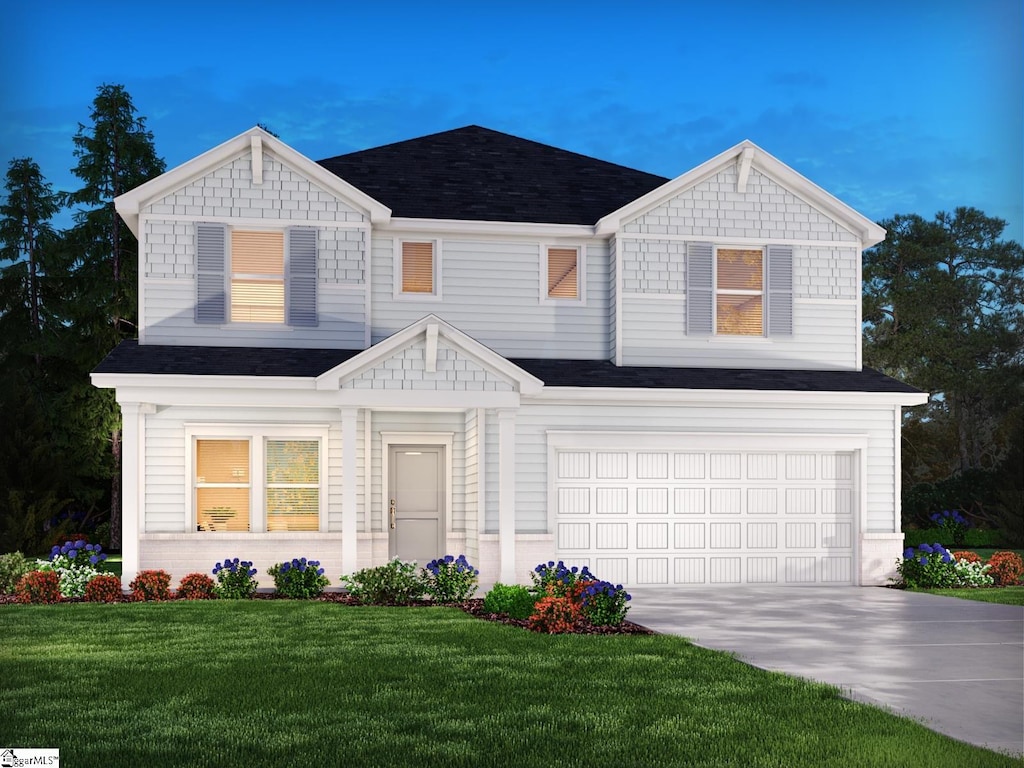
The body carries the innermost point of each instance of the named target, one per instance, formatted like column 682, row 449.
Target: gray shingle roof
column 478, row 174
column 129, row 357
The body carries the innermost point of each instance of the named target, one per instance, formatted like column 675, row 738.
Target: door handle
column 391, row 513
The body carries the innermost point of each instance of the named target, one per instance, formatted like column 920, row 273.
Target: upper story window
column 418, row 267
column 739, row 292
column 563, row 273
column 257, row 277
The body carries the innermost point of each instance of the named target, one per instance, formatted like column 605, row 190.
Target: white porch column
column 133, row 463
column 349, row 485
column 507, row 494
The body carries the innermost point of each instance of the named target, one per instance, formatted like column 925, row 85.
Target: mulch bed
column 474, row 607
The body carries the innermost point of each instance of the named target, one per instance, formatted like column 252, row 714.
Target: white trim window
column 562, row 273
column 257, row 478
column 418, row 269
column 739, row 291
column 257, row 277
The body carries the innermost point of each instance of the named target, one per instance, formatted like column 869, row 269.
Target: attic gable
column 737, row 180
column 252, row 175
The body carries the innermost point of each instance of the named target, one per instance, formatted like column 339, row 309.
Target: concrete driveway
column 955, row 665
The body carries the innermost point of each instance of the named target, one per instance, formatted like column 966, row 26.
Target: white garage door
column 645, row 517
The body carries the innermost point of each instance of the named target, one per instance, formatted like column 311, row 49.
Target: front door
column 416, row 502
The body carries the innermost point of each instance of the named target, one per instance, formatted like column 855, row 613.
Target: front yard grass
column 282, row 683
column 1002, row 595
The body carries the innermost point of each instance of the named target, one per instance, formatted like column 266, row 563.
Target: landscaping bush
column 604, row 603
column 555, row 615
column 196, row 586
column 38, row 587
column 393, row 584
column 512, row 600
column 1007, row 568
column 557, row 579
column 952, row 525
column 104, row 588
column 449, row 579
column 930, row 565
column 300, row 579
column 13, row 566
column 972, row 574
column 972, row 537
column 970, row 557
column 151, row 586
column 75, row 562
column 235, row 579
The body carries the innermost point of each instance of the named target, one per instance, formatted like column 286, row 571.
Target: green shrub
column 512, row 600
column 604, row 603
column 38, row 587
column 105, row 588
column 928, row 566
column 13, row 566
column 151, row 586
column 449, row 579
column 300, row 579
column 393, row 584
column 972, row 537
column 196, row 586
column 235, row 579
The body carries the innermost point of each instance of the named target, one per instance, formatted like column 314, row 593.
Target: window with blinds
column 293, row 485
column 222, row 485
column 739, row 292
column 257, row 277
column 417, row 267
column 563, row 273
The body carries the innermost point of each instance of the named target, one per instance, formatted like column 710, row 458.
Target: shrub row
column 933, row 566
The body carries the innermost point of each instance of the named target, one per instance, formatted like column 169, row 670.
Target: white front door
column 416, row 502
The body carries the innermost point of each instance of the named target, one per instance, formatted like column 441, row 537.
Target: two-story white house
column 474, row 343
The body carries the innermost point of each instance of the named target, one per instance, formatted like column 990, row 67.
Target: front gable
column 429, row 356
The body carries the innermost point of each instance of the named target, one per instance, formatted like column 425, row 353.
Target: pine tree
column 115, row 154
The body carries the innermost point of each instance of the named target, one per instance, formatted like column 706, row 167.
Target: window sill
column 417, row 296
column 735, row 339
column 240, row 535
column 275, row 327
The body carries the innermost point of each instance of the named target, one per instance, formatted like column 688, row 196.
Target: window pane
column 257, row 253
column 417, row 267
column 293, row 509
column 257, row 301
column 293, row 461
column 222, row 509
column 739, row 270
column 740, row 315
column 222, row 461
column 562, row 273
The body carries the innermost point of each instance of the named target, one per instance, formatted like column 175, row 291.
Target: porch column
column 507, row 494
column 349, row 484
column 133, row 463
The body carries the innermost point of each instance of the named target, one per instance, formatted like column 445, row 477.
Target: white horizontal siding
column 825, row 336
column 533, row 421
column 170, row 319
column 491, row 291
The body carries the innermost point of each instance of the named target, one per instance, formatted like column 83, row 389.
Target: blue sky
column 894, row 107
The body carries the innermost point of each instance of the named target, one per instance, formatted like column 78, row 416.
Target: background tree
column 943, row 311
column 115, row 154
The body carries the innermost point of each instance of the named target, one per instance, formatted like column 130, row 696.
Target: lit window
column 293, row 485
column 563, row 273
column 418, row 267
column 257, row 277
column 739, row 292
column 222, row 485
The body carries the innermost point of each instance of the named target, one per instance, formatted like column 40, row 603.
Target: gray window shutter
column 211, row 296
column 700, row 304
column 302, row 277
column 780, row 290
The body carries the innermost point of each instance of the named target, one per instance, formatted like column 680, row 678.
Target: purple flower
column 926, row 548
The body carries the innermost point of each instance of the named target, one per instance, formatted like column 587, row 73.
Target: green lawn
column 1002, row 595
column 280, row 683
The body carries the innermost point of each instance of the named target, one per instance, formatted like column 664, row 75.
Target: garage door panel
column 760, row 517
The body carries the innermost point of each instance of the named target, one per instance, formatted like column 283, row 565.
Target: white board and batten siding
column 491, row 290
column 228, row 196
column 654, row 249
